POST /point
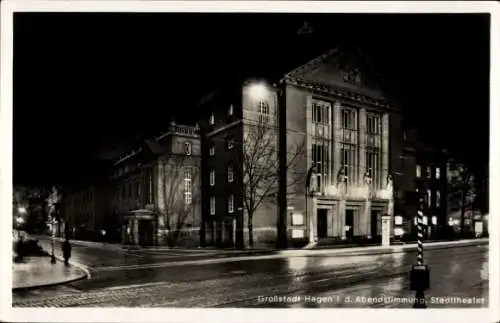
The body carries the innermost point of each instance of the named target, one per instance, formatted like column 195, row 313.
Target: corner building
column 335, row 106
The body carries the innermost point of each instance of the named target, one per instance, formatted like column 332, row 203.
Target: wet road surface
column 295, row 281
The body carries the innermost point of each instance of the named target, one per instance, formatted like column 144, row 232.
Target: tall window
column 349, row 149
column 373, row 124
column 230, row 112
column 438, row 199
column 264, row 111
column 211, row 120
column 212, row 177
column 374, row 149
column 438, row 172
column 429, row 198
column 230, row 203
column 188, row 193
column 212, row 205
column 322, row 140
column 321, row 112
column 320, row 161
column 211, row 151
column 230, row 173
column 418, row 171
column 429, row 172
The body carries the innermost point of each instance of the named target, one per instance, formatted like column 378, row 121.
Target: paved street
column 162, row 279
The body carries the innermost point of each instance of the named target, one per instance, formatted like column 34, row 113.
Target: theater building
column 335, row 104
column 330, row 113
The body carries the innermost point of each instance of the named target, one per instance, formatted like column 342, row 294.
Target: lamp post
column 53, row 257
column 419, row 275
column 308, row 193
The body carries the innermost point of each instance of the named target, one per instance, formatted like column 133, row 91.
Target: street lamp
column 53, row 257
column 258, row 90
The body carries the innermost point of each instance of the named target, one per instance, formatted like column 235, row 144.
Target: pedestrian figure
column 66, row 251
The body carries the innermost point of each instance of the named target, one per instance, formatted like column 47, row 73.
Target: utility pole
column 420, row 275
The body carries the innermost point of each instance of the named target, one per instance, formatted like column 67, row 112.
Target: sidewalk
column 39, row 272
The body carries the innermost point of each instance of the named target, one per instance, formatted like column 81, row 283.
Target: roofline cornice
column 340, row 93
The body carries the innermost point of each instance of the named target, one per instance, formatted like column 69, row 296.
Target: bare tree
column 179, row 183
column 461, row 190
column 260, row 165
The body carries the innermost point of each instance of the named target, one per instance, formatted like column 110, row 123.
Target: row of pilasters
column 335, row 150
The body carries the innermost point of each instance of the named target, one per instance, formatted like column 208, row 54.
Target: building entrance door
column 349, row 223
column 374, row 223
column 322, row 223
column 145, row 232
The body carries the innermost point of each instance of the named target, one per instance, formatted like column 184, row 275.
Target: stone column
column 367, row 218
column 341, row 215
column 136, row 231
column 337, row 135
column 314, row 216
column 234, row 232
column 385, row 149
column 362, row 146
column 330, row 223
column 309, row 131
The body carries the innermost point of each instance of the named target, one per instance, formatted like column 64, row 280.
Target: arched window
column 187, row 148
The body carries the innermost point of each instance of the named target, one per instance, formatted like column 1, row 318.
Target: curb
column 85, row 274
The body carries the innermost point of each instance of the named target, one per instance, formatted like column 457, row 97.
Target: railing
column 185, row 130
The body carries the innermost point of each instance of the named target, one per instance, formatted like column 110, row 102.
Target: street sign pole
column 419, row 275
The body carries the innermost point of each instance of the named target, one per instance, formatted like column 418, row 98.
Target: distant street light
column 19, row 220
column 258, row 90
column 21, row 210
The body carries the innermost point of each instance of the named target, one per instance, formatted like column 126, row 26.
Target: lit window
column 230, row 173
column 212, row 177
column 438, row 172
column 211, row 151
column 429, row 172
column 211, row 121
column 188, row 193
column 438, row 199
column 429, row 198
column 419, row 171
column 231, row 110
column 230, row 203
column 212, row 205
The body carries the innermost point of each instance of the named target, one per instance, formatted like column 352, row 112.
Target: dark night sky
column 85, row 81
